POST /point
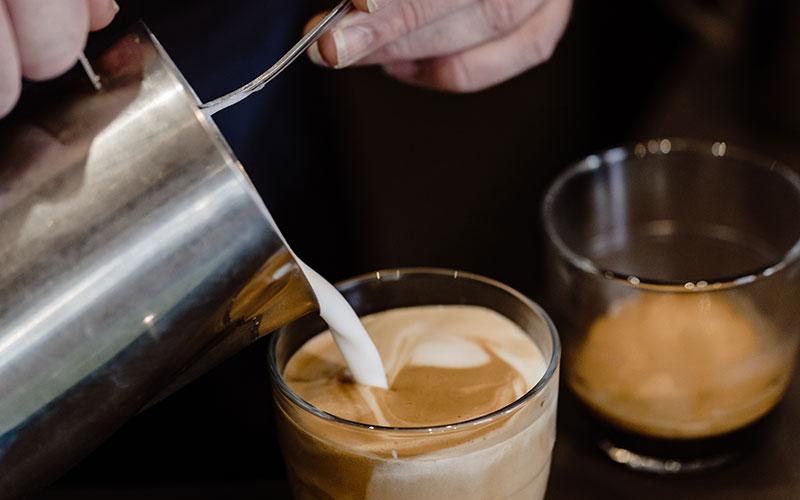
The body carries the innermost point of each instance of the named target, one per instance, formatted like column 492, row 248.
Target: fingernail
column 372, row 6
column 403, row 70
column 352, row 43
column 315, row 56
column 114, row 6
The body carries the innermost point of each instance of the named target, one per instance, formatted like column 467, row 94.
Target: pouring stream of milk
column 351, row 338
column 356, row 346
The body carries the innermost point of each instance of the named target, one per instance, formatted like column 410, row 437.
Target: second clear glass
column 674, row 280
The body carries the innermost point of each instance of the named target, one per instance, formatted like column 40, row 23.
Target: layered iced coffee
column 461, row 418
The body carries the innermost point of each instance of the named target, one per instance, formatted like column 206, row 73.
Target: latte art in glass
column 444, row 365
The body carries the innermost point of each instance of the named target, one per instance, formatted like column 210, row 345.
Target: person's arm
column 451, row 45
column 41, row 39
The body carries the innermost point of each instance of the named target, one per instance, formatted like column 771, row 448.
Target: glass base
column 678, row 456
column 668, row 457
column 660, row 465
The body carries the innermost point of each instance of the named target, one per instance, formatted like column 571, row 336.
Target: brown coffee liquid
column 680, row 366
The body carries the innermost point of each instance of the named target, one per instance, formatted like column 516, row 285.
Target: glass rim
column 397, row 274
column 662, row 147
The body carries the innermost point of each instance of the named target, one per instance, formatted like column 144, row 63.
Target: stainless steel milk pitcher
column 134, row 255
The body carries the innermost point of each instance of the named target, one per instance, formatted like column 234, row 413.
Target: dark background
column 363, row 173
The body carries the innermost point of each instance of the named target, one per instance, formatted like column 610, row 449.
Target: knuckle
column 411, row 16
column 501, row 15
column 398, row 49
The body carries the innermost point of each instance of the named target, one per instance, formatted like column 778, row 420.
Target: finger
column 101, row 13
column 493, row 62
column 370, row 5
column 313, row 52
column 466, row 28
column 360, row 34
column 50, row 34
column 10, row 76
column 365, row 5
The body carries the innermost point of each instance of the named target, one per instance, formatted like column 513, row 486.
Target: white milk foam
column 451, row 353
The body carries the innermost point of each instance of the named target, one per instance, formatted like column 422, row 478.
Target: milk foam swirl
column 444, row 364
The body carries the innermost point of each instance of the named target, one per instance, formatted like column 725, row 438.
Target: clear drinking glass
column 504, row 454
column 674, row 280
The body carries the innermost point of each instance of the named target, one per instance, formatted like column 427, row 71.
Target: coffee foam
column 445, row 364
